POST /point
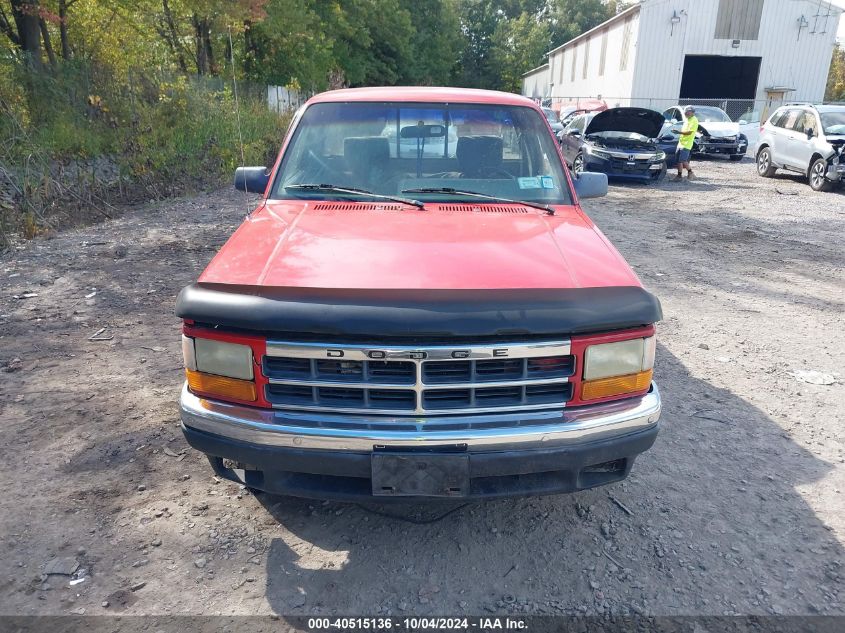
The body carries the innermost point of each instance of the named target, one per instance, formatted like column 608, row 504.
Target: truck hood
column 719, row 129
column 390, row 246
column 637, row 120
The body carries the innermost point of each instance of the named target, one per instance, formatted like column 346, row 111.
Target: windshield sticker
column 548, row 182
column 529, row 182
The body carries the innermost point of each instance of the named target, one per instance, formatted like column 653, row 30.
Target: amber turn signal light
column 615, row 386
column 211, row 385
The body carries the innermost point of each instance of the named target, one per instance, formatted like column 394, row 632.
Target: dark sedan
column 620, row 142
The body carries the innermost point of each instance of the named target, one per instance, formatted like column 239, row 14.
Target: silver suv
column 806, row 139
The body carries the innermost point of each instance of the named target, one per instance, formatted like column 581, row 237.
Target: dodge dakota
column 419, row 308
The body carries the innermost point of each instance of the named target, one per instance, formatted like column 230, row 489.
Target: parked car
column 554, row 121
column 620, row 142
column 569, row 111
column 384, row 326
column 749, row 125
column 717, row 134
column 805, row 139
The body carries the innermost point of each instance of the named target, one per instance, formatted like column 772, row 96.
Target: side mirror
column 591, row 184
column 574, row 132
column 743, row 122
column 666, row 137
column 810, row 133
column 251, row 179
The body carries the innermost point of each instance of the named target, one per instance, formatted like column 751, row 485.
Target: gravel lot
column 738, row 509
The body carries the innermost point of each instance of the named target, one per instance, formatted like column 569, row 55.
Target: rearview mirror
column 421, row 130
column 591, row 184
column 251, row 179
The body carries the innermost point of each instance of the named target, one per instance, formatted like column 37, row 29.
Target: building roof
column 619, row 16
column 539, row 68
column 421, row 94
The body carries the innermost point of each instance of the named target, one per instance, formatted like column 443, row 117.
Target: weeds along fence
column 76, row 141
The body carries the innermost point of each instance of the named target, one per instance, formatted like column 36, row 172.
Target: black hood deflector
column 418, row 314
column 638, row 120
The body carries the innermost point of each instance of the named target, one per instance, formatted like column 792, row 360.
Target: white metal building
column 535, row 83
column 762, row 50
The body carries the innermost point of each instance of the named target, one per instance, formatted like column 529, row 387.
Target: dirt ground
column 738, row 509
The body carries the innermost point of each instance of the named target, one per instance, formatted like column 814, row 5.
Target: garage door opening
column 717, row 77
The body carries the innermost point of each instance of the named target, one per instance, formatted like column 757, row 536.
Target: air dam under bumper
column 551, row 452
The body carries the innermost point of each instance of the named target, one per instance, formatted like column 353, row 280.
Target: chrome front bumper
column 333, row 432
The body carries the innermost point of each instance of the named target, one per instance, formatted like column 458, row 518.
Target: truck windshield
column 388, row 148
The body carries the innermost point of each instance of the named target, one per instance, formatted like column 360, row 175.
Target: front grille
column 330, row 370
column 425, row 380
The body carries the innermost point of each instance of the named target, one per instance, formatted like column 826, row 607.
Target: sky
column 841, row 33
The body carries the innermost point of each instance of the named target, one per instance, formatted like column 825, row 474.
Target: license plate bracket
column 419, row 475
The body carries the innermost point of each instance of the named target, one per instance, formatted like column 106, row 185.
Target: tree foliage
column 835, row 89
column 307, row 44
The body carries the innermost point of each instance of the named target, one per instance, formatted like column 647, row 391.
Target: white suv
column 807, row 139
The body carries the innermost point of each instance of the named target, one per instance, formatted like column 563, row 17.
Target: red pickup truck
column 419, row 308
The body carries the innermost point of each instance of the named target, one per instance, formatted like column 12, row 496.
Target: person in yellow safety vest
column 685, row 142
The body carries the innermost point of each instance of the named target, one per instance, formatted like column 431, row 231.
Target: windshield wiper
column 353, row 191
column 475, row 194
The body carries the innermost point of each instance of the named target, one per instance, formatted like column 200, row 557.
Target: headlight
column 592, row 151
column 612, row 369
column 661, row 155
column 223, row 359
column 217, row 368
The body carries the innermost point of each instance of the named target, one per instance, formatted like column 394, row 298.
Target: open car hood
column 638, row 120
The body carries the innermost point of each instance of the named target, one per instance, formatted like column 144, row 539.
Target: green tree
column 570, row 18
column 835, row 89
column 289, row 47
column 435, row 43
column 518, row 44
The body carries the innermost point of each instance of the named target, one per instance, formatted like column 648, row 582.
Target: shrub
column 75, row 140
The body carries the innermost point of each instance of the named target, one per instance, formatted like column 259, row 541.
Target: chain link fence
column 743, row 111
column 740, row 110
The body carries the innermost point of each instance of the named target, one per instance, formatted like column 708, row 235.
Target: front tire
column 578, row 164
column 764, row 163
column 817, row 179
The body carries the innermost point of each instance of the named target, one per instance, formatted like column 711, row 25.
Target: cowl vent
column 483, row 208
column 452, row 208
column 357, row 206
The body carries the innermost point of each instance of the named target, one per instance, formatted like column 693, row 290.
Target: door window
column 807, row 121
column 673, row 114
column 577, row 124
column 789, row 119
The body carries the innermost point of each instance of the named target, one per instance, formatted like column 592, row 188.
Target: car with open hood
column 392, row 322
column 620, row 142
column 717, row 134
